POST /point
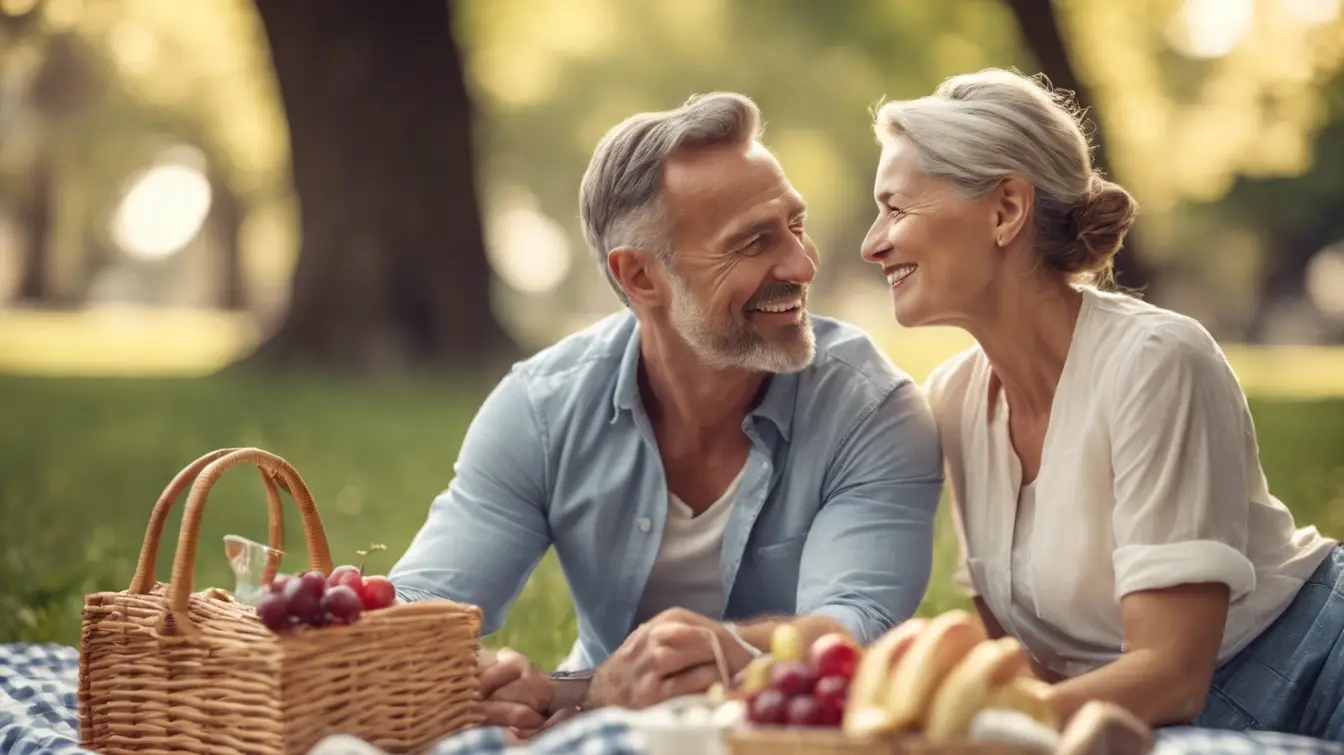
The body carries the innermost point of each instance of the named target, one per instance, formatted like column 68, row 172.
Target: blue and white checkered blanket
column 38, row 716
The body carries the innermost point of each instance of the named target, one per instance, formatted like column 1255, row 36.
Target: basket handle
column 144, row 581
column 184, row 562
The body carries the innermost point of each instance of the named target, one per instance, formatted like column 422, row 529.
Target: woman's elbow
column 1190, row 700
column 1187, row 691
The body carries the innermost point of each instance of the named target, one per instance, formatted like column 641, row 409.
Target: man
column 711, row 461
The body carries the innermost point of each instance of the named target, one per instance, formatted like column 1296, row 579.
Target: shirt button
column 645, row 525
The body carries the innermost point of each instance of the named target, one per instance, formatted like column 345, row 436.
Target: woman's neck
column 1026, row 332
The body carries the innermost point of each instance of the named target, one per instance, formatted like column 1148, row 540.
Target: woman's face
column 938, row 250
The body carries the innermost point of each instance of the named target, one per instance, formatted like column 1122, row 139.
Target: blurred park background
column 324, row 228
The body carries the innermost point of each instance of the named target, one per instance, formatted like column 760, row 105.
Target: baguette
column 969, row 686
column 1102, row 728
column 1026, row 695
column 938, row 650
column 865, row 714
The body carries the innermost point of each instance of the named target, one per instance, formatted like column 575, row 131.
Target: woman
column 1109, row 495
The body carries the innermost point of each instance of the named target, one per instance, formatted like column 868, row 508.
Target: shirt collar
column 776, row 406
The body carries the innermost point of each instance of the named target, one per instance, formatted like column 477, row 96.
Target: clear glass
column 248, row 561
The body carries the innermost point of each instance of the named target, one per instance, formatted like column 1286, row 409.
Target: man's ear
column 637, row 273
column 1014, row 199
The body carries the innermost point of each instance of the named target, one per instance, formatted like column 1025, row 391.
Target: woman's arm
column 1180, row 450
column 1172, row 637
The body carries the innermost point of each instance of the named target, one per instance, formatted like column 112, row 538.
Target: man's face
column 741, row 261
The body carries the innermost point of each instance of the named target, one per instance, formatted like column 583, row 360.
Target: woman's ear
column 1013, row 199
column 636, row 274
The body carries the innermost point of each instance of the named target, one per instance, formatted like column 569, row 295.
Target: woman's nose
column 875, row 244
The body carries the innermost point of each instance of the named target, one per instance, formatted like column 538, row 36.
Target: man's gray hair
column 620, row 196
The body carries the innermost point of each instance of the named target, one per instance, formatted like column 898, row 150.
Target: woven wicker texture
column 786, row 741
column 165, row 670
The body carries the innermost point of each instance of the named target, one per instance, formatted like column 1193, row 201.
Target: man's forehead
column 727, row 182
column 690, row 167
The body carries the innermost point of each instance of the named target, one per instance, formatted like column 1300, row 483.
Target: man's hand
column 516, row 694
column 668, row 656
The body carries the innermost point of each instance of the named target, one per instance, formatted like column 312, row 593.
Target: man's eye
column 895, row 212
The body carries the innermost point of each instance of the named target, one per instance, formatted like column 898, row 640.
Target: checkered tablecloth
column 38, row 717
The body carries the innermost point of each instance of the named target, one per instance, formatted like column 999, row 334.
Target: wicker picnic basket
column 166, row 670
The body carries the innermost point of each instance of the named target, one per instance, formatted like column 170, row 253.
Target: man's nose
column 875, row 244
column 800, row 262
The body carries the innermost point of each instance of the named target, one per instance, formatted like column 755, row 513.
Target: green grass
column 83, row 460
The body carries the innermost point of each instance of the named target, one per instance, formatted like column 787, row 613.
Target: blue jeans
column 1291, row 678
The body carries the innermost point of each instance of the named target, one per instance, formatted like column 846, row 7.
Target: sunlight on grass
column 122, row 342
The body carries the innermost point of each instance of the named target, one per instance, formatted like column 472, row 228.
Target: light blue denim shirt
column 834, row 517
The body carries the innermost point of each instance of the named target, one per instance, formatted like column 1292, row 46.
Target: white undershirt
column 1024, row 599
column 686, row 572
column 1150, row 477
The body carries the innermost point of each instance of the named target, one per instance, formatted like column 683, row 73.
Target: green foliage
column 82, row 462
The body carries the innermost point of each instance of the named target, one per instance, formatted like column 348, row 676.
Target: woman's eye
column 895, row 212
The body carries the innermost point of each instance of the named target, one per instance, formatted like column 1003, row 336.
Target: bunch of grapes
column 315, row 600
column 789, row 689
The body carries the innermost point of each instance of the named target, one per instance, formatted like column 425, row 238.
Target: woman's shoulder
column 1136, row 342
column 1125, row 326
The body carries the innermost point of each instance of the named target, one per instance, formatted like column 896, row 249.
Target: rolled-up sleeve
column 488, row 531
column 1181, row 432
column 869, row 555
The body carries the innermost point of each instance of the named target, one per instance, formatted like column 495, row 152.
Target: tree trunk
column 392, row 272
column 226, row 217
column 35, row 221
column 1040, row 30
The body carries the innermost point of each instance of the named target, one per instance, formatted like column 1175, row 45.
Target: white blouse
column 1150, row 477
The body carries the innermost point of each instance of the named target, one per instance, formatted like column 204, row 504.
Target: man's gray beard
column 742, row 349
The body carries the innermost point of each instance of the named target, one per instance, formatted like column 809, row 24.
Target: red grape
column 767, row 708
column 831, row 694
column 834, row 655
column 802, row 710
column 792, row 678
column 347, row 575
column 342, row 605
column 273, row 610
column 830, row 716
column 277, row 585
column 304, row 596
column 377, row 593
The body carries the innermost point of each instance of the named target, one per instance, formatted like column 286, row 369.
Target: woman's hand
column 1172, row 637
